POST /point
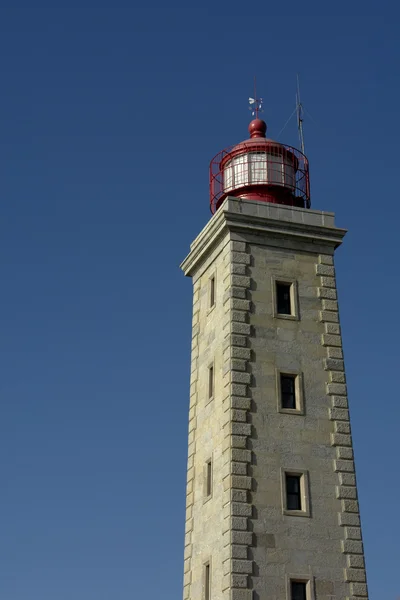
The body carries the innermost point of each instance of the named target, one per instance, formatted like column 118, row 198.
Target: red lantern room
column 260, row 169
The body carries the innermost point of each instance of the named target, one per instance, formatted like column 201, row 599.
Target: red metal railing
column 265, row 164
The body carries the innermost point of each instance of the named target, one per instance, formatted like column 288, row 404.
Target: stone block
column 340, row 402
column 234, row 580
column 238, row 269
column 238, row 468
column 238, row 441
column 355, row 575
column 241, row 455
column 238, row 551
column 240, row 402
column 239, row 316
column 328, row 282
column 239, row 523
column 242, row 537
column 238, row 389
column 331, row 340
column 240, row 281
column 240, row 377
column 238, row 246
column 335, row 352
column 330, row 305
column 347, row 466
column 338, row 389
column 347, row 479
column 327, row 293
column 240, row 328
column 350, row 506
column 344, row 453
column 240, row 428
column 326, row 270
column 326, row 259
column 240, row 353
column 236, row 594
column 359, row 589
column 337, row 377
column 338, row 414
column 237, row 415
column 241, row 258
column 353, row 533
column 240, row 509
column 242, row 566
column 241, row 482
column 340, row 439
column 352, row 547
column 345, row 492
column 237, row 340
column 349, row 519
column 238, row 495
column 333, row 364
column 328, row 316
column 237, row 304
column 355, row 561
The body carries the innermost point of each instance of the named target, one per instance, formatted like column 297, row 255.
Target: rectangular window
column 207, row 582
column 212, row 291
column 209, row 478
column 210, row 382
column 283, row 298
column 298, row 590
column 293, row 492
column 288, row 391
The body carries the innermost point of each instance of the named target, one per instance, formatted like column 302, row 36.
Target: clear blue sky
column 109, row 115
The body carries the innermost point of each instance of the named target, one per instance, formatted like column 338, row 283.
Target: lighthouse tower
column 271, row 504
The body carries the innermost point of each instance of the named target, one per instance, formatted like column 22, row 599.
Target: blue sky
column 109, row 116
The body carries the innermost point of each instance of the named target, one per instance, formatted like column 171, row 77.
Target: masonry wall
column 203, row 541
column 254, row 548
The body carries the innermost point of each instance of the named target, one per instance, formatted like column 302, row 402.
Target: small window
column 208, row 490
column 210, row 382
column 293, row 492
column 298, row 590
column 212, row 291
column 288, row 391
column 283, row 298
column 295, row 496
column 207, row 582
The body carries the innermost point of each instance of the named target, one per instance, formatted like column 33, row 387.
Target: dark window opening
column 211, row 382
column 207, row 582
column 212, row 292
column 209, row 478
column 293, row 492
column 288, row 391
column 298, row 590
column 284, row 305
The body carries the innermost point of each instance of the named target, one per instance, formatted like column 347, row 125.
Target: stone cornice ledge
column 236, row 214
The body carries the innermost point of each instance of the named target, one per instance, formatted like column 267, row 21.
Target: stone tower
column 271, row 506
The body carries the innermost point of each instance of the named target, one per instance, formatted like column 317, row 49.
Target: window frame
column 299, row 391
column 208, row 479
column 207, row 580
column 212, row 292
column 300, row 578
column 294, row 303
column 305, row 510
column 210, row 382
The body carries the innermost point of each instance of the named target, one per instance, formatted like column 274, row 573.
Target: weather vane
column 255, row 104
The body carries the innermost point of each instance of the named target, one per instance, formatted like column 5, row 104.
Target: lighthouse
column 271, row 500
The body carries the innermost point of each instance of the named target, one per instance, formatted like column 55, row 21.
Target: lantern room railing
column 252, row 165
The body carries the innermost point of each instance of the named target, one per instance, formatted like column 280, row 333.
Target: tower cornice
column 269, row 224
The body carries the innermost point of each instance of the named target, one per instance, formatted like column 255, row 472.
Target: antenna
column 255, row 104
column 299, row 109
